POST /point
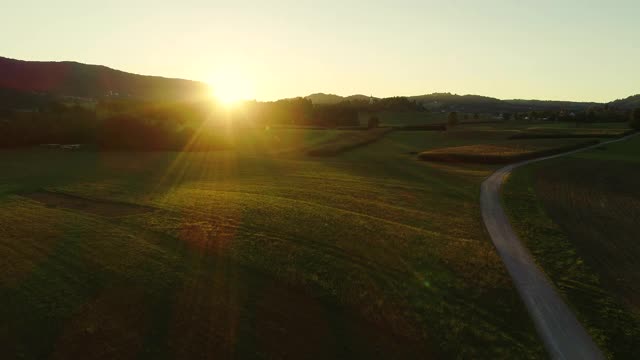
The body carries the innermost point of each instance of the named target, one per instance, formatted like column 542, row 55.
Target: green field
column 252, row 254
column 259, row 251
column 347, row 141
column 579, row 216
column 274, row 141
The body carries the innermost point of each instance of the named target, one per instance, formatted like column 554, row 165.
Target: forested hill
column 477, row 103
column 632, row 102
column 30, row 82
column 91, row 81
column 469, row 103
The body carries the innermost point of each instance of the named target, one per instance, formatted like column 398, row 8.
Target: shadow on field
column 91, row 206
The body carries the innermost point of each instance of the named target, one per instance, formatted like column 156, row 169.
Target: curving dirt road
column 562, row 334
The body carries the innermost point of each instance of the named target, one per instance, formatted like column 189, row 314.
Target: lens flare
column 230, row 86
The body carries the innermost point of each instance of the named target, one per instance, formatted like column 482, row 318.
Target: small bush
column 635, row 119
column 374, row 122
column 452, row 120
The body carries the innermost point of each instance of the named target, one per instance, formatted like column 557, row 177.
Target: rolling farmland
column 255, row 252
column 578, row 216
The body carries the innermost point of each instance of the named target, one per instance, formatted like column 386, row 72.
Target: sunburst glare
column 230, row 86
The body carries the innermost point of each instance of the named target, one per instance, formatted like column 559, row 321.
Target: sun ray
column 230, row 86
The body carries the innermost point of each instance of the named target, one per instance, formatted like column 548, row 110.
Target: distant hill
column 358, row 97
column 330, row 99
column 466, row 103
column 29, row 83
column 551, row 104
column 91, row 81
column 632, row 102
column 469, row 103
column 478, row 103
column 324, row 99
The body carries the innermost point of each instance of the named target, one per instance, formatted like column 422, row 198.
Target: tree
column 452, row 120
column 476, row 116
column 635, row 119
column 506, row 116
column 374, row 122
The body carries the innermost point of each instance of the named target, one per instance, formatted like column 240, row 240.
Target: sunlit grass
column 362, row 235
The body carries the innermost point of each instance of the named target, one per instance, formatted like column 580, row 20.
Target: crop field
column 252, row 254
column 550, row 133
column 548, row 126
column 579, row 217
column 503, row 152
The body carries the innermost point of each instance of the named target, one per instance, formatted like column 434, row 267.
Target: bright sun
column 231, row 86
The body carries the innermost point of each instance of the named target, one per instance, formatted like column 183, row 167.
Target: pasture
column 579, row 216
column 256, row 252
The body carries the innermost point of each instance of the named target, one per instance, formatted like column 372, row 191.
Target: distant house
column 63, row 147
column 85, row 102
column 70, row 147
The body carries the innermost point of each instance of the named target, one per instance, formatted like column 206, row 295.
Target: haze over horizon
column 560, row 50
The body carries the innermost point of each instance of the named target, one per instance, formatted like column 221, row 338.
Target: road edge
column 562, row 334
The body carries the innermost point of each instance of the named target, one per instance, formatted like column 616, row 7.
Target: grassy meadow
column 579, row 216
column 255, row 252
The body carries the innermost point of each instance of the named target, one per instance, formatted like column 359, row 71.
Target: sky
column 558, row 50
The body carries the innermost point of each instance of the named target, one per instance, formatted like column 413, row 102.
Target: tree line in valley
column 159, row 125
column 203, row 125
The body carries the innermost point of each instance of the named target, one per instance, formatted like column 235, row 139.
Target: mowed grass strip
column 348, row 141
column 278, row 140
column 505, row 152
column 579, row 216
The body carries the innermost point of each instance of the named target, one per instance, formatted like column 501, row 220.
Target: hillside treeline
column 54, row 124
column 127, row 124
column 114, row 123
column 593, row 114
